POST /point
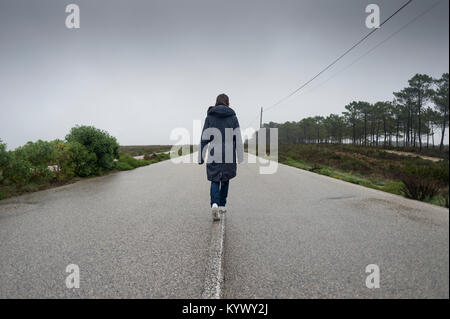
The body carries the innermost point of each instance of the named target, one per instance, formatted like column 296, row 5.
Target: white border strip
column 214, row 268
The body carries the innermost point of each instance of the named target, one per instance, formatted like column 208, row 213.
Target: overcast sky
column 138, row 69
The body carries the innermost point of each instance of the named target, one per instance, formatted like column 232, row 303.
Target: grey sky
column 138, row 69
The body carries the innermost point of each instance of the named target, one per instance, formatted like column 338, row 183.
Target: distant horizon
column 138, row 69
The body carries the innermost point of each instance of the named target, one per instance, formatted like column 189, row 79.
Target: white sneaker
column 215, row 212
column 222, row 209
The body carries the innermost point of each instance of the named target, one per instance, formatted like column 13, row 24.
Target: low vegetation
column 387, row 145
column 154, row 153
column 157, row 157
column 86, row 151
column 127, row 162
column 139, row 150
column 412, row 177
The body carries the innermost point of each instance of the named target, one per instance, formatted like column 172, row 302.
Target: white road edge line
column 214, row 274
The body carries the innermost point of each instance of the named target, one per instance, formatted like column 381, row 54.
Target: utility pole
column 260, row 118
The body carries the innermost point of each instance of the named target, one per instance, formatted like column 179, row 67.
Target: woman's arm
column 203, row 143
column 239, row 145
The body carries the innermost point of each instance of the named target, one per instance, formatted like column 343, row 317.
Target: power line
column 378, row 45
column 339, row 58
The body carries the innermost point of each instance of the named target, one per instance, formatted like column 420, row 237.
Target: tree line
column 411, row 119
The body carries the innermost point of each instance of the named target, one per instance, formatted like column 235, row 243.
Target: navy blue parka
column 224, row 147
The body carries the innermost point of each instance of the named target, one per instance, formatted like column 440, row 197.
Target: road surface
column 145, row 234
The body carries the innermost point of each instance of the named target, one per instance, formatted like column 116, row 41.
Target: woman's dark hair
column 223, row 99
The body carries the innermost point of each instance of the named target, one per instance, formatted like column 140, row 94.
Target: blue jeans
column 219, row 193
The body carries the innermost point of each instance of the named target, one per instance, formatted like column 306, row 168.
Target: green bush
column 64, row 161
column 39, row 156
column 315, row 168
column 14, row 169
column 84, row 161
column 103, row 145
column 157, row 157
column 18, row 171
column 87, row 151
column 73, row 159
column 420, row 189
column 123, row 166
column 144, row 149
column 4, row 159
column 126, row 162
column 423, row 182
column 441, row 172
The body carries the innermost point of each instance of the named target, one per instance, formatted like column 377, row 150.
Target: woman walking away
column 223, row 134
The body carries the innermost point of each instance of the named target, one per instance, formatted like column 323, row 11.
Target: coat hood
column 221, row 111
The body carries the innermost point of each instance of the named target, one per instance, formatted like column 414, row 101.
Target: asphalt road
column 137, row 234
column 145, row 234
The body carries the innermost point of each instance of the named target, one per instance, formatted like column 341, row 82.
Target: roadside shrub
column 315, row 168
column 39, row 155
column 123, row 166
column 157, row 157
column 18, row 171
column 420, row 189
column 422, row 182
column 103, row 145
column 126, row 162
column 4, row 156
column 4, row 159
column 85, row 163
column 73, row 159
column 64, row 165
column 135, row 150
column 87, row 151
column 441, row 172
column 15, row 169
